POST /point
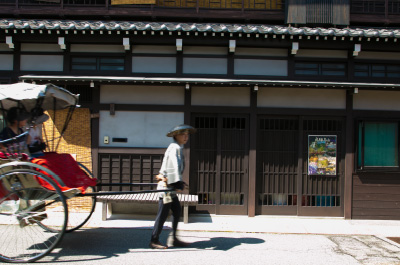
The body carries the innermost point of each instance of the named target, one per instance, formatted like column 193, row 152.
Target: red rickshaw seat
column 67, row 169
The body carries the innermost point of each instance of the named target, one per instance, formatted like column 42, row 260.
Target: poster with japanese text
column 322, row 154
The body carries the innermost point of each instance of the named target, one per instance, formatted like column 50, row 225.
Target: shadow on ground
column 105, row 243
column 224, row 243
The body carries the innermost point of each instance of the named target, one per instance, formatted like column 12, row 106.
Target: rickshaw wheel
column 27, row 202
column 80, row 209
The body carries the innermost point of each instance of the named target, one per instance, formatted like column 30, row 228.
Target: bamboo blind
column 76, row 139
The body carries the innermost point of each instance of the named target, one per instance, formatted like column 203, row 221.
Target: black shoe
column 179, row 244
column 157, row 245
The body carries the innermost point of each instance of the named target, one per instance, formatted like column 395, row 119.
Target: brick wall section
column 76, row 139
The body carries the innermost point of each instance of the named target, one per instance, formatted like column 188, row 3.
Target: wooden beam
column 251, row 211
column 349, row 157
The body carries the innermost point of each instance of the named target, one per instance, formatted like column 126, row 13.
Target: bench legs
column 107, row 210
column 185, row 212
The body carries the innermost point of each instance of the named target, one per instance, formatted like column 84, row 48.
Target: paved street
column 124, row 238
column 130, row 246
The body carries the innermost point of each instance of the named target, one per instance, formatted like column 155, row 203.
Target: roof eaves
column 10, row 24
column 208, row 81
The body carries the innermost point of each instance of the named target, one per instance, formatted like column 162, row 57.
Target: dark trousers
column 162, row 215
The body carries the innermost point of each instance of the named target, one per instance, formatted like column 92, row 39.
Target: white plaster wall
column 42, row 62
column 97, row 48
column 4, row 47
column 204, row 50
column 378, row 55
column 283, row 97
column 205, row 66
column 154, row 49
column 40, row 47
column 261, row 52
column 377, row 100
column 165, row 65
column 260, row 67
column 125, row 94
column 6, row 62
column 143, row 129
column 322, row 53
column 221, row 96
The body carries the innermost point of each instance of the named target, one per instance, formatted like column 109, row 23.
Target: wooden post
column 252, row 155
column 349, row 158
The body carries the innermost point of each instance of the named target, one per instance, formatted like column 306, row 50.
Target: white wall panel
column 4, row 47
column 40, row 47
column 260, row 67
column 282, row 97
column 142, row 129
column 205, row 50
column 221, row 96
column 261, row 52
column 6, row 62
column 42, row 62
column 376, row 100
column 166, row 65
column 97, row 48
column 378, row 55
column 160, row 95
column 342, row 54
column 153, row 49
column 205, row 66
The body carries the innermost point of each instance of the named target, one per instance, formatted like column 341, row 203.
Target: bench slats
column 145, row 197
column 185, row 199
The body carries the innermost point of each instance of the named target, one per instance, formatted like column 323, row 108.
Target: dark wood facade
column 376, row 196
column 250, row 155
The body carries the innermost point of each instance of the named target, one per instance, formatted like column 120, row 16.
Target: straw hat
column 39, row 116
column 181, row 129
column 41, row 119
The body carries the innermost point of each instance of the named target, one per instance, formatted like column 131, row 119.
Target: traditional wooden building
column 296, row 103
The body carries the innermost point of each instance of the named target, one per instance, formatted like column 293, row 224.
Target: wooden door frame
column 217, row 208
column 322, row 211
column 274, row 209
column 233, row 209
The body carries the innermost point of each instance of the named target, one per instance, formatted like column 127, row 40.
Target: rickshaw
column 43, row 198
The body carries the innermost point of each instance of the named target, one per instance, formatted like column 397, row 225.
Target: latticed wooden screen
column 233, row 168
column 204, row 158
column 280, row 189
column 219, row 160
column 128, row 168
column 322, row 191
column 377, row 7
column 277, row 161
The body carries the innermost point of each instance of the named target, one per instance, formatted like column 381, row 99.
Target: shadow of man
column 225, row 243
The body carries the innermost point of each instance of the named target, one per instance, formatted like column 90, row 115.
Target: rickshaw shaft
column 126, row 184
column 120, row 192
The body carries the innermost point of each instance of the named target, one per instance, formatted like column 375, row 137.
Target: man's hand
column 160, row 177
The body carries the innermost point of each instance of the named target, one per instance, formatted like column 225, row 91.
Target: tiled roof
column 14, row 24
column 206, row 81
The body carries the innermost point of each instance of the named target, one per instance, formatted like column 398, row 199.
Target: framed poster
column 322, row 154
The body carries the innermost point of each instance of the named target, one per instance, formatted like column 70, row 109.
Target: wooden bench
column 151, row 198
